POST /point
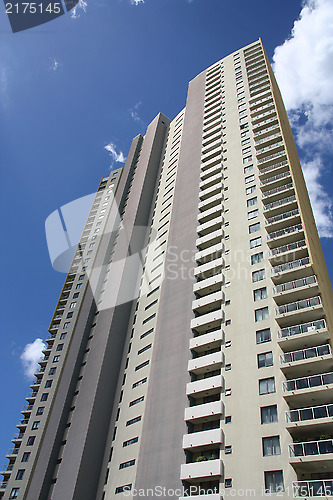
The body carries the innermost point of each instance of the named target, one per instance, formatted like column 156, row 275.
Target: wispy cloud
column 30, row 356
column 304, row 70
column 79, row 7
column 134, row 112
column 137, row 2
column 118, row 157
column 55, row 65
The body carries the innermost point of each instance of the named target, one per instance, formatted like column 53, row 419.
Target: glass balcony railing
column 287, row 266
column 292, row 285
column 316, row 488
column 268, row 148
column 265, row 130
column 285, row 231
column 278, row 203
column 300, row 304
column 277, row 190
column 268, row 138
column 275, row 178
column 308, row 448
column 311, row 413
column 309, row 353
column 271, row 157
column 263, row 115
column 283, row 216
column 308, row 382
column 311, row 326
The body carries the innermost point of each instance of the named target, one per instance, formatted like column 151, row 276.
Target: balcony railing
column 321, row 447
column 268, row 138
column 287, row 248
column 316, row 488
column 268, row 148
column 265, row 130
column 275, row 177
column 262, row 115
column 309, row 353
column 285, row 215
column 300, row 304
column 277, row 190
column 311, row 413
column 278, row 203
column 287, row 266
column 308, row 382
column 271, row 157
column 275, row 166
column 286, row 230
column 311, row 326
column 292, row 285
column 269, row 120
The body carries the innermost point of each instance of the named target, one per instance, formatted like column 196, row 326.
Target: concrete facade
column 196, row 360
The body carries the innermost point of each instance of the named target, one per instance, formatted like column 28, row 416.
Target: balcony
column 202, row 439
column 209, row 268
column 280, row 219
column 206, row 363
column 210, row 225
column 271, row 159
column 310, row 360
column 208, row 302
column 23, row 423
column 18, row 438
column 263, row 124
column 211, row 181
column 316, row 388
column 298, row 289
column 274, row 147
column 204, row 386
column 311, row 455
column 277, row 180
column 285, row 236
column 317, row 488
column 201, row 470
column 210, row 172
column 317, row 419
column 311, row 309
column 211, row 191
column 32, row 396
column 211, row 202
column 204, row 412
column 278, row 206
column 211, row 145
column 210, row 253
column 294, row 269
column 12, row 452
column 3, row 485
column 306, row 334
column 211, row 154
column 207, row 321
column 209, row 239
column 276, row 136
column 257, row 120
column 208, row 340
column 208, row 215
column 275, row 194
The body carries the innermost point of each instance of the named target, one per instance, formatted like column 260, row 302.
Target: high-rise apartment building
column 189, row 353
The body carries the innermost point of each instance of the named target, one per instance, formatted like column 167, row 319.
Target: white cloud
column 137, row 2
column 30, row 356
column 82, row 5
column 303, row 66
column 118, row 157
column 134, row 112
column 55, row 65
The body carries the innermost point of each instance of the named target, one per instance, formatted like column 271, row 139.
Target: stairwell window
column 261, row 314
column 271, row 446
column 266, row 386
column 253, row 228
column 268, row 414
column 258, row 275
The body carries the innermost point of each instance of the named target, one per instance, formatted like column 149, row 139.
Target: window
column 78, row 286
column 247, row 159
column 250, row 189
column 263, row 335
column 142, row 365
column 124, row 465
column 35, row 425
column 261, row 314
column 257, row 257
column 81, row 277
column 227, row 302
column 73, row 304
column 31, row 440
column 228, row 367
column 52, row 370
column 140, row 351
column 136, row 401
column 139, row 382
column 266, row 386
column 44, row 396
column 259, row 294
column 249, row 168
column 228, row 419
column 19, row 474
column 228, row 483
column 227, row 450
column 227, row 322
column 268, row 414
column 258, row 275
column 274, row 481
column 249, row 178
column 14, row 493
column 25, row 456
column 245, row 141
column 265, row 359
column 146, row 333
column 130, row 441
column 48, row 383
column 251, row 201
column 121, row 489
column 40, row 410
column 227, row 343
column 227, row 392
column 271, row 446
column 253, row 214
column 62, row 336
column 255, row 242
column 59, row 347
column 66, row 325
column 148, row 319
column 245, row 151
column 253, row 228
column 133, row 421
column 69, row 315
column 76, row 294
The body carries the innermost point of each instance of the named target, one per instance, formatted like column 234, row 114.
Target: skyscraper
column 189, row 352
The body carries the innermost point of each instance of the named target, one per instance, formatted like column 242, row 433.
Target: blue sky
column 77, row 84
